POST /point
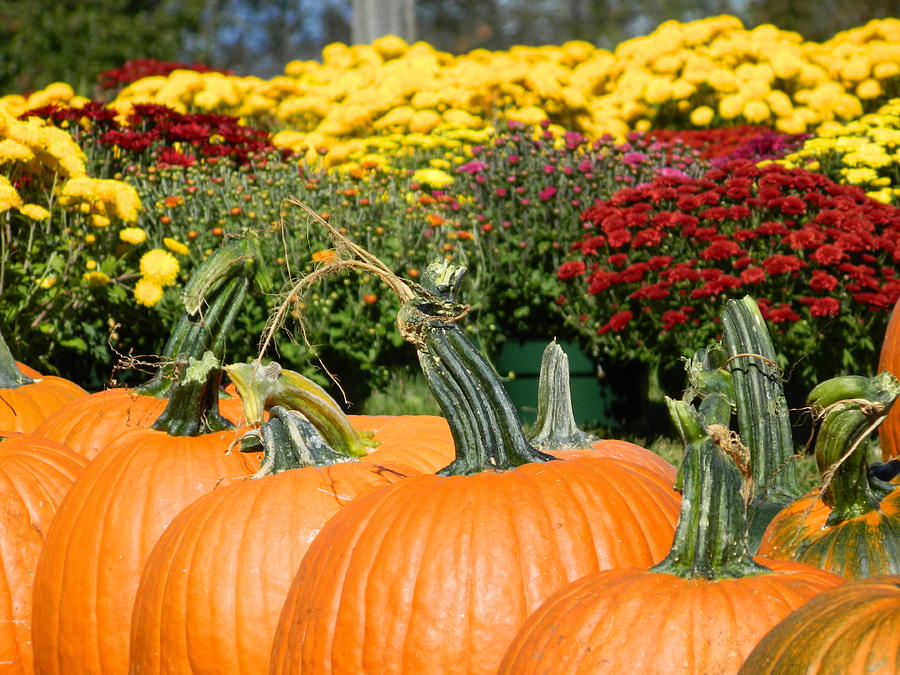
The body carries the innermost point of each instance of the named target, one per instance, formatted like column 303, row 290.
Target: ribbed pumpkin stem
column 762, row 413
column 482, row 418
column 711, row 537
column 555, row 427
column 289, row 441
column 262, row 387
column 193, row 407
column 213, row 298
column 853, row 407
column 10, row 375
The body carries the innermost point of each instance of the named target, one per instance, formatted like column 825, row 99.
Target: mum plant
column 649, row 274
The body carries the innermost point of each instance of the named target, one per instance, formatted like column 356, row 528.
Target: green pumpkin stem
column 289, row 441
column 193, row 407
column 213, row 298
column 10, row 375
column 262, row 387
column 555, row 427
column 762, row 413
column 851, row 408
column 711, row 536
column 482, row 418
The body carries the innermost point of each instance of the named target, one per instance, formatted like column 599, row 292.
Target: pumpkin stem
column 482, row 418
column 261, row 387
column 851, row 408
column 555, row 427
column 711, row 536
column 193, row 407
column 289, row 441
column 762, row 413
column 10, row 375
column 213, row 298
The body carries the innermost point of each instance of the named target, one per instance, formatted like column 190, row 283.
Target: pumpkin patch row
column 189, row 528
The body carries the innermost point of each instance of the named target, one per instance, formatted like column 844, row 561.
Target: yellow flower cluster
column 864, row 152
column 159, row 269
column 58, row 93
column 39, row 149
column 706, row 72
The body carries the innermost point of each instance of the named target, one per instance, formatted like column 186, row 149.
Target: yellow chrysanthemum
column 48, row 282
column 702, row 116
column 9, row 198
column 133, row 235
column 159, row 266
column 175, row 246
column 147, row 292
column 95, row 279
column 34, row 212
column 327, row 255
column 434, row 178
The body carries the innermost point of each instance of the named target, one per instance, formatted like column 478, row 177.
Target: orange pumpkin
column 35, row 475
column 189, row 608
column 435, row 573
column 26, row 399
column 889, row 431
column 853, row 629
column 105, row 528
column 699, row 611
column 851, row 525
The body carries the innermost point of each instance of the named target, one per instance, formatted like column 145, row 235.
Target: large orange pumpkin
column 853, row 629
column 104, row 530
column 193, row 612
column 889, row 360
column 851, row 526
column 35, row 475
column 26, row 399
column 699, row 611
column 435, row 573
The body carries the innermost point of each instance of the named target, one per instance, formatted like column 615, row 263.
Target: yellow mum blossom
column 104, row 197
column 9, row 198
column 159, row 266
column 731, row 106
column 90, row 238
column 34, row 212
column 175, row 246
column 702, row 116
column 48, row 282
column 99, row 221
column 755, row 112
column 147, row 292
column 869, row 88
column 95, row 279
column 434, row 178
column 133, row 235
column 424, row 121
column 91, row 264
column 13, row 151
column 860, row 175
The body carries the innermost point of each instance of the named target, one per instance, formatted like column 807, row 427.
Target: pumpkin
column 435, row 573
column 889, row 360
column 851, row 526
column 213, row 297
column 701, row 610
column 193, row 610
column 853, row 629
column 26, row 398
column 104, row 530
column 35, row 475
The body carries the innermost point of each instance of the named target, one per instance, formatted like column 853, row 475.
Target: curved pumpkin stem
column 193, row 407
column 852, row 407
column 262, row 387
column 555, row 427
column 711, row 537
column 289, row 441
column 762, row 413
column 213, row 298
column 10, row 375
column 482, row 418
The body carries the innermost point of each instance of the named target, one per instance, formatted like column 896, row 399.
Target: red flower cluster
column 172, row 138
column 136, row 69
column 743, row 142
column 805, row 246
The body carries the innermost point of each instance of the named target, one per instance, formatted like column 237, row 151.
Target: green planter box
column 519, row 363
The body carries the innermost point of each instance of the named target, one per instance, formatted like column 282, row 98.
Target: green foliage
column 45, row 41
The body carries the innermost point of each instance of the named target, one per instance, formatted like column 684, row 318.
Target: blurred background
column 43, row 41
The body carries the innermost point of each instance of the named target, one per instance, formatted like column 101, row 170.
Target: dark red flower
column 617, row 322
column 828, row 254
column 822, row 281
column 570, row 269
column 753, row 275
column 721, row 249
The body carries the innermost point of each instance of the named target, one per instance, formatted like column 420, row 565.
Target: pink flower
column 547, row 193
